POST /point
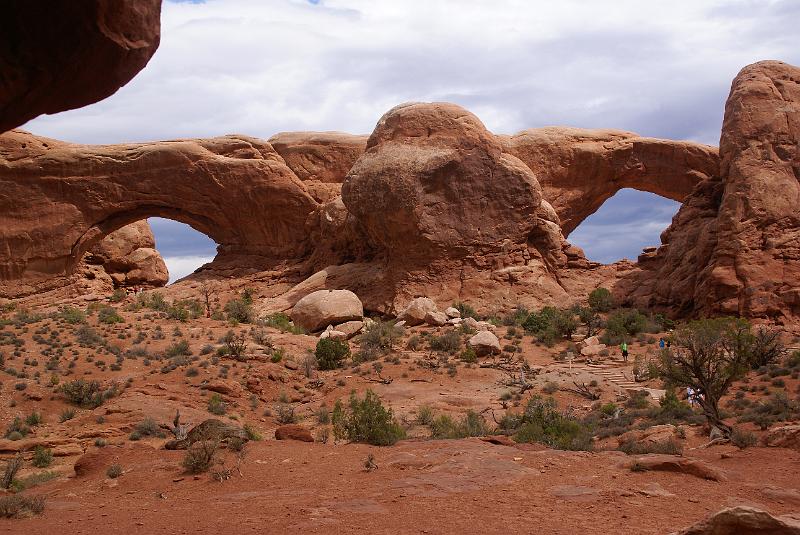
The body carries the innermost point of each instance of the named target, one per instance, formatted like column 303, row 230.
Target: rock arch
column 58, row 199
column 579, row 169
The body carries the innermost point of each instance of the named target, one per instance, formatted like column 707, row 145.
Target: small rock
column 293, row 432
column 452, row 312
column 485, row 343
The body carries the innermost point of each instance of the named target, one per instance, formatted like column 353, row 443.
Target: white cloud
column 180, row 266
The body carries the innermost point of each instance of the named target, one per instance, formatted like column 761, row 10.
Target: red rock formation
column 320, row 159
column 58, row 200
column 129, row 257
column 57, row 55
column 580, row 169
column 734, row 247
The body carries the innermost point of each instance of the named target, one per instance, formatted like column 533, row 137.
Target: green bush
column 471, row 424
column 88, row 337
column 377, row 339
column 72, row 315
column 178, row 349
column 87, row 393
column 42, row 457
column 600, row 300
column 622, row 324
column 542, row 422
column 331, row 353
column 109, row 315
column 17, row 429
column 366, row 420
column 449, row 342
column 239, row 310
column 282, row 322
column 216, row 405
column 466, row 310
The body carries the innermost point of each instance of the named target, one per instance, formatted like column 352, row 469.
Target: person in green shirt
column 624, row 348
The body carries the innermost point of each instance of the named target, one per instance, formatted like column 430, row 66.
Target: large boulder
column 414, row 313
column 785, row 436
column 129, row 257
column 319, row 309
column 485, row 343
column 435, row 183
column 58, row 55
column 744, row 521
column 293, row 432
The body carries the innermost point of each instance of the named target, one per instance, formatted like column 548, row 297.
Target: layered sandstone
column 320, row 159
column 57, row 55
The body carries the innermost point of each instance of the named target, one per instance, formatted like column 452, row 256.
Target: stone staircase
column 616, row 376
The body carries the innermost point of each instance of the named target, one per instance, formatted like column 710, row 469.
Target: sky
column 258, row 67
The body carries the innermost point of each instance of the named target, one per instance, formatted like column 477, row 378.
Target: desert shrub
column 114, row 471
column 331, row 353
column 323, row 415
column 766, row 348
column 542, row 422
column 777, row 408
column 118, row 295
column 465, row 310
column 20, row 506
column 178, row 349
column 742, row 439
column 669, row 447
column 252, row 433
column 425, row 415
column 600, row 300
column 449, row 342
column 72, row 315
column 282, row 322
column 468, row 355
column 216, row 405
column 240, row 310
column 34, row 419
column 13, row 466
column 377, row 339
column 366, row 420
column 88, row 337
column 539, row 322
column 284, row 414
column 108, row 315
column 87, row 393
column 471, row 424
column 200, row 456
column 149, row 428
column 414, row 343
column 42, row 457
column 591, row 319
column 550, row 387
column 670, row 410
column 235, row 345
column 17, row 429
column 517, row 317
column 66, row 414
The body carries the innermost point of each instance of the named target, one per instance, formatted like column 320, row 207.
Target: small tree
column 708, row 356
column 591, row 319
column 767, row 348
column 600, row 300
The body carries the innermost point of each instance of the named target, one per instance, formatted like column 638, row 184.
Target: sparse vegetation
column 20, row 506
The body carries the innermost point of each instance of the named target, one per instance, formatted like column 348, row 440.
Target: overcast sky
column 258, row 67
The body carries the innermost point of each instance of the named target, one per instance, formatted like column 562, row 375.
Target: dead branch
column 583, row 390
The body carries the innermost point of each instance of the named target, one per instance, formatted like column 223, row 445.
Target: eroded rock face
column 236, row 190
column 734, row 246
column 129, row 257
column 320, row 159
column 57, row 55
column 579, row 169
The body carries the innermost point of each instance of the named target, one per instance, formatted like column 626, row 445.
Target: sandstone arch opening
column 183, row 248
column 624, row 224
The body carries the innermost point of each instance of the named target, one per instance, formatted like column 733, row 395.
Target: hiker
column 624, row 348
column 661, row 343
